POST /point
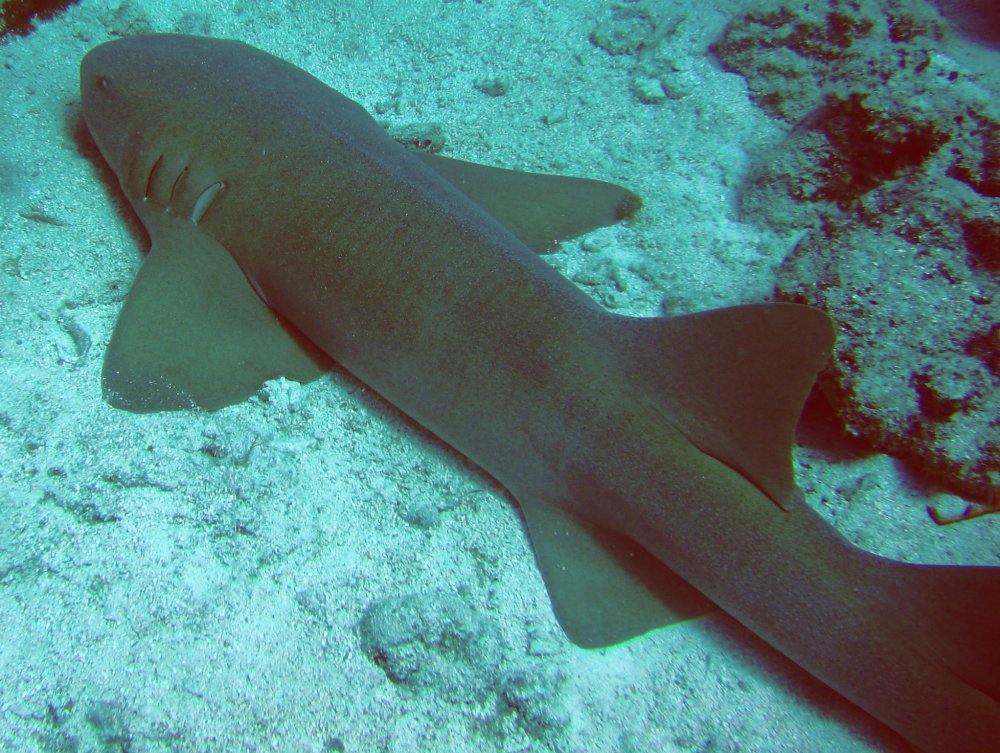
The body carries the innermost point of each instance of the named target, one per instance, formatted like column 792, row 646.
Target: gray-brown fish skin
column 424, row 296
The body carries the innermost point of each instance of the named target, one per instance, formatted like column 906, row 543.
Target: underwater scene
column 500, row 376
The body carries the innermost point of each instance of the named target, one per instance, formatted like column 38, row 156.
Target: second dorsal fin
column 734, row 381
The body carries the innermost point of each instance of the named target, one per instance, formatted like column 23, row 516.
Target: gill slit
column 178, row 182
column 132, row 150
column 151, row 176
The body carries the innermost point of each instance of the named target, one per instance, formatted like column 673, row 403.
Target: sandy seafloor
column 195, row 582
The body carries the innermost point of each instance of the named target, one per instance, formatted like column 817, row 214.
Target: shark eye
column 103, row 82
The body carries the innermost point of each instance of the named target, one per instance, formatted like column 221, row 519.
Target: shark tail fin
column 957, row 613
column 734, row 381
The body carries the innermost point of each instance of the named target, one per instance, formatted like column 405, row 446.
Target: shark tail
column 745, row 373
column 734, row 381
column 956, row 613
column 948, row 619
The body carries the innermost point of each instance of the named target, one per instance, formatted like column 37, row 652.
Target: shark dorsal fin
column 539, row 209
column 734, row 381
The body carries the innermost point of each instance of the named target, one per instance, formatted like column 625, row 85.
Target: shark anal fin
column 539, row 209
column 605, row 588
column 734, row 381
column 193, row 333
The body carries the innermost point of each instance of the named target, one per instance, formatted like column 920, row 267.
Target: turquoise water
column 309, row 570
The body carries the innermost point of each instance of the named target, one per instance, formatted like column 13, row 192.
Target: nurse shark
column 650, row 457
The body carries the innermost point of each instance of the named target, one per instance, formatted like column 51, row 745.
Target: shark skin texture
column 651, row 457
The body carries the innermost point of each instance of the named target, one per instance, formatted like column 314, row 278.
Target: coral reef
column 890, row 174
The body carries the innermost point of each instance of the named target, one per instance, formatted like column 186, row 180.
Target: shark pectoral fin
column 605, row 588
column 734, row 381
column 193, row 333
column 539, row 209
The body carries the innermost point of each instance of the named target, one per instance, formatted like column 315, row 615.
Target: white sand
column 194, row 582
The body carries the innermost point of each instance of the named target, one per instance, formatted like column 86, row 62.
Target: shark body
column 651, row 457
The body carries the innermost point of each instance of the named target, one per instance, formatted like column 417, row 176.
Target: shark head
column 115, row 80
column 171, row 116
column 147, row 103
